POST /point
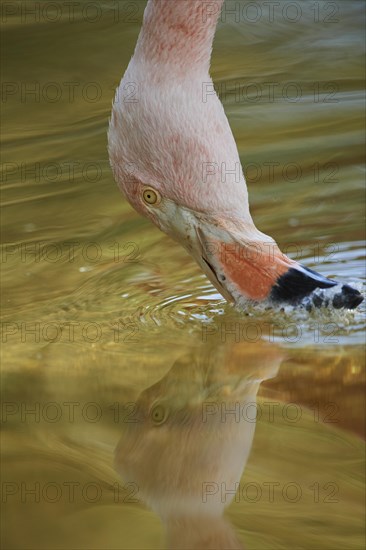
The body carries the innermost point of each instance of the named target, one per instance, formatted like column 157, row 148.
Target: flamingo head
column 175, row 159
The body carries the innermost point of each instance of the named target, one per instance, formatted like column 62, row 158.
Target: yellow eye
column 151, row 196
column 159, row 414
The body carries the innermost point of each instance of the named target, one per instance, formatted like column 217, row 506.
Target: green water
column 97, row 304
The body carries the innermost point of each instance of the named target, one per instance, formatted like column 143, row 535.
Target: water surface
column 99, row 304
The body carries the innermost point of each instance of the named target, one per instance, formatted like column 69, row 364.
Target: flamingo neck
column 178, row 34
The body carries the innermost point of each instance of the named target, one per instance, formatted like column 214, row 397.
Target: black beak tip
column 298, row 283
column 348, row 298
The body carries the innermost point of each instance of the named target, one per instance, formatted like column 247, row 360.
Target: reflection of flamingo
column 189, row 439
column 175, row 158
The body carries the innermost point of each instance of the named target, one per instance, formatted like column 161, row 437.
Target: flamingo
column 174, row 157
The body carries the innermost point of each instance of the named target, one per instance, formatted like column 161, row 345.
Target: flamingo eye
column 150, row 196
column 159, row 414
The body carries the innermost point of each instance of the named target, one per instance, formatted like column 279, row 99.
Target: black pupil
column 158, row 415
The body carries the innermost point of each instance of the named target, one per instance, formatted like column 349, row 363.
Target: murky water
column 100, row 306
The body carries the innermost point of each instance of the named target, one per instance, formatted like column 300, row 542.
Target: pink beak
column 252, row 267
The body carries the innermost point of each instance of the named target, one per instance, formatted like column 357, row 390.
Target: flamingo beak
column 257, row 271
column 247, row 265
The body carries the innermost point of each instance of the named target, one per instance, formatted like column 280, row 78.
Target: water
column 99, row 305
